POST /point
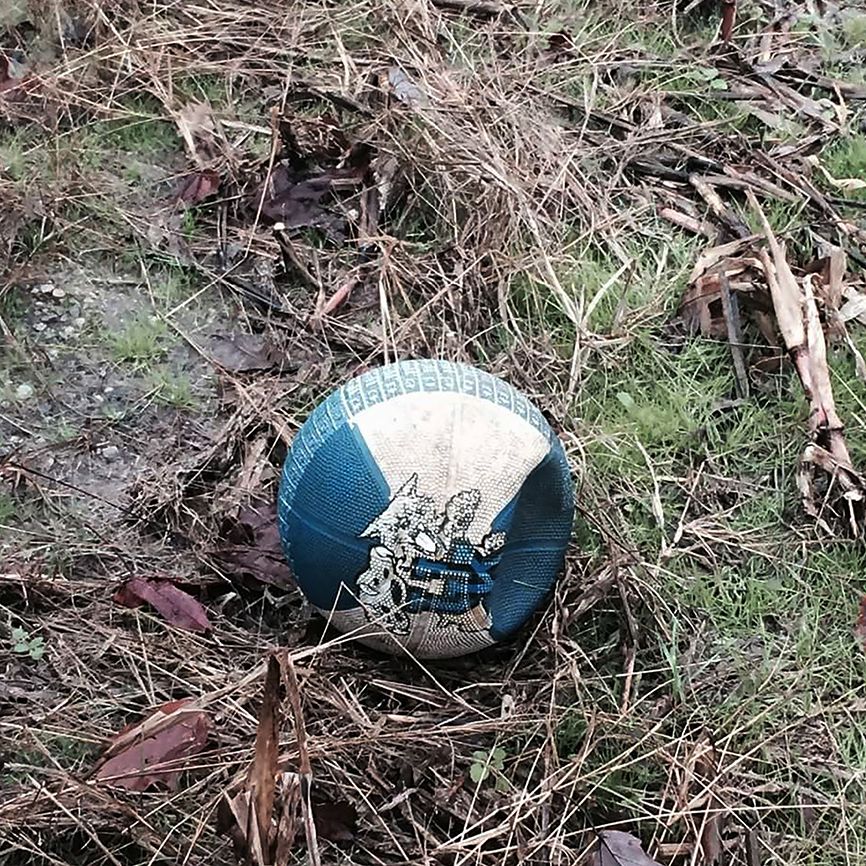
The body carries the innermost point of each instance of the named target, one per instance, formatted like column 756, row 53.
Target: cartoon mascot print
column 425, row 561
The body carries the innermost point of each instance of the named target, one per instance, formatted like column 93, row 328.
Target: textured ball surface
column 426, row 505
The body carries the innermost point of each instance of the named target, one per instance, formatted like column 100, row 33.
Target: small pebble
column 59, row 292
column 67, row 331
column 78, row 322
column 45, row 288
column 40, row 326
column 74, row 311
column 24, row 391
column 108, row 389
column 111, row 452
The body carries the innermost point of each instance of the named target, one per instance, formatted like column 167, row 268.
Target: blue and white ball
column 426, row 506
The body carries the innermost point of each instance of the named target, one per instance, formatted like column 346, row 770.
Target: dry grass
column 693, row 680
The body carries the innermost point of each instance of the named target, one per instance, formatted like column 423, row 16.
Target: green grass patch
column 172, row 389
column 8, row 507
column 145, row 129
column 141, row 341
column 846, row 159
column 744, row 612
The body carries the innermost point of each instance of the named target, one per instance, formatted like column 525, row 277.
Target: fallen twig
column 725, row 215
column 731, row 309
column 293, row 690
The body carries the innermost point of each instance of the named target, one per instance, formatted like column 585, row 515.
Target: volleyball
column 426, row 506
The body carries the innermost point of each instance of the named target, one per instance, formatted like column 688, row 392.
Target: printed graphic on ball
column 426, row 505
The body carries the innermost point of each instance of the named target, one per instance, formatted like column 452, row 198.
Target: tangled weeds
column 381, row 182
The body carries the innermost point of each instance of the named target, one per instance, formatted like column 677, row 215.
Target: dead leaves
column 199, row 129
column 197, row 186
column 175, row 606
column 617, row 848
column 729, row 14
column 166, row 226
column 10, row 73
column 267, row 815
column 206, row 146
column 154, row 751
column 252, row 550
column 744, row 283
column 299, row 200
column 247, row 815
column 243, row 353
column 701, row 306
column 826, row 465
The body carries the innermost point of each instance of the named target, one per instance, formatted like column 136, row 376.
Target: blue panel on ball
column 323, row 520
column 538, row 524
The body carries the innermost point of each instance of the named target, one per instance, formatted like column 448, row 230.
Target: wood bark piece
column 725, row 215
column 731, row 309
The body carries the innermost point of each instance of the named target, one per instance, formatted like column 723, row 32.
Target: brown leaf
column 176, row 607
column 326, row 307
column 336, row 822
column 235, row 818
column 248, row 816
column 729, row 13
column 297, row 203
column 616, row 848
column 262, row 778
column 709, row 258
column 299, row 200
column 290, row 817
column 196, row 125
column 11, row 73
column 242, row 353
column 254, row 550
column 151, row 752
column 197, row 186
column 702, row 305
column 710, row 840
